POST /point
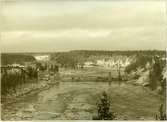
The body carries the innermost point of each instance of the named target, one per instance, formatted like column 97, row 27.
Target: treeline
column 87, row 53
column 11, row 78
column 118, row 52
column 10, row 58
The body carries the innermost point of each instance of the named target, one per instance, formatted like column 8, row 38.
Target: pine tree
column 104, row 109
column 155, row 74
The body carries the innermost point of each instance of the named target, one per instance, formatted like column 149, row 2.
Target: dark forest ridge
column 30, row 56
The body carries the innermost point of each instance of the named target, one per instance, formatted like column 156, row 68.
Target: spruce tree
column 104, row 109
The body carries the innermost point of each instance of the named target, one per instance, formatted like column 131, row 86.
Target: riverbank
column 34, row 86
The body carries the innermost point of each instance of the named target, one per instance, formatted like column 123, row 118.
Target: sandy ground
column 78, row 100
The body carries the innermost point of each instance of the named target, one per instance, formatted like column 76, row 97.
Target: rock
column 143, row 79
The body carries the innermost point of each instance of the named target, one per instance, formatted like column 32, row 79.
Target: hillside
column 73, row 58
column 8, row 58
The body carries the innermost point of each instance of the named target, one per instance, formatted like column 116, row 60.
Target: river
column 78, row 100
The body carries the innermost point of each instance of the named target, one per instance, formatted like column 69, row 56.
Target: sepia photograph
column 83, row 60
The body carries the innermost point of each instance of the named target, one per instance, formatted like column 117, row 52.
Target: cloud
column 57, row 25
column 120, row 38
column 88, row 15
column 72, row 33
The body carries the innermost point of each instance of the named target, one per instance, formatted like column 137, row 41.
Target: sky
column 54, row 25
